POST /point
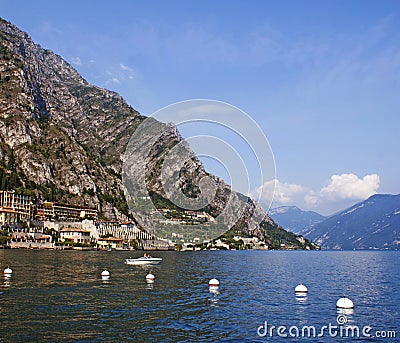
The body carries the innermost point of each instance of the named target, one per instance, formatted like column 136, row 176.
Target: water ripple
column 59, row 296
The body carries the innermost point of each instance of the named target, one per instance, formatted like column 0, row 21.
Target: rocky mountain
column 59, row 135
column 294, row 219
column 371, row 224
column 63, row 139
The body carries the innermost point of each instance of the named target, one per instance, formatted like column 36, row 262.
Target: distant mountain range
column 294, row 219
column 370, row 224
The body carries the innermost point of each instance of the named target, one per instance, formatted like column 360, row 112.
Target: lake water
column 58, row 296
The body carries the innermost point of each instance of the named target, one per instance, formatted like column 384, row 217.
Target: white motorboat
column 143, row 261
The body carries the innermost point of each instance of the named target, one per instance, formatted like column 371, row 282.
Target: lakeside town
column 50, row 225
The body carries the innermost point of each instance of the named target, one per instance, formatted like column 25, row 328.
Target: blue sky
column 321, row 78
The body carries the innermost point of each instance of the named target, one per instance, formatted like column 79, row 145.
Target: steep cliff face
column 57, row 132
column 65, row 138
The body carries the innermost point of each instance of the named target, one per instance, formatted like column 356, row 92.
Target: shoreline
column 70, row 248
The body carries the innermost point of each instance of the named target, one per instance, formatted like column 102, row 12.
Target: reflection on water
column 60, row 295
column 301, row 299
column 345, row 311
column 214, row 290
column 7, row 281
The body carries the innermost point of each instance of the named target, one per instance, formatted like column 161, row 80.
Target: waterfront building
column 156, row 244
column 76, row 235
column 14, row 207
column 51, row 210
column 127, row 231
column 110, row 243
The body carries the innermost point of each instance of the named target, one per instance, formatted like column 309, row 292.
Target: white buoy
column 7, row 272
column 213, row 283
column 105, row 274
column 301, row 290
column 150, row 278
column 345, row 303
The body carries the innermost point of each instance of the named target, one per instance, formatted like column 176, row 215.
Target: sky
column 320, row 78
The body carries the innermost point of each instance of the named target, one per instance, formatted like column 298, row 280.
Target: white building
column 110, row 243
column 125, row 230
column 14, row 207
column 75, row 235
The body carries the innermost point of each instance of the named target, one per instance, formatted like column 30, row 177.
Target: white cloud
column 287, row 192
column 311, row 199
column 350, row 186
column 118, row 74
column 282, row 192
column 76, row 60
column 341, row 190
column 126, row 68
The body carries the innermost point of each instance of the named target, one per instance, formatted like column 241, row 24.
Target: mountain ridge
column 370, row 224
column 294, row 219
column 63, row 139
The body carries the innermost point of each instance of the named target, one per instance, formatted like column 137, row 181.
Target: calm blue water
column 58, row 296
